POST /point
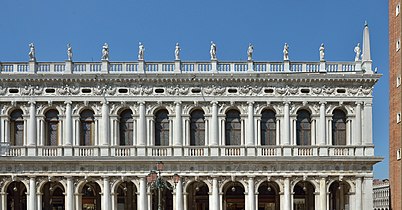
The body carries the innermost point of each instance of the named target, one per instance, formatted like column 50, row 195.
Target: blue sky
column 232, row 24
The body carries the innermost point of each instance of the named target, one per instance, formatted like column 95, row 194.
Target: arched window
column 52, row 128
column 303, row 128
column 16, row 128
column 87, row 121
column 162, row 128
column 197, row 128
column 233, row 128
column 126, row 128
column 268, row 128
column 338, row 127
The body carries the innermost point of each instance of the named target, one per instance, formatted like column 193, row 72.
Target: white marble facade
column 241, row 135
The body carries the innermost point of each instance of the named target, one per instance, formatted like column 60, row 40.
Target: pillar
column 143, row 196
column 3, row 200
column 214, row 125
column 250, row 121
column 215, row 194
column 105, row 124
column 178, row 137
column 322, row 140
column 367, row 193
column 367, row 124
column 323, row 193
column 70, row 194
column 251, row 194
column 106, row 193
column 32, row 194
column 286, row 194
column 286, row 124
column 142, row 124
column 358, row 195
column 32, row 124
column 358, row 125
column 179, row 195
column 68, row 126
column 39, row 200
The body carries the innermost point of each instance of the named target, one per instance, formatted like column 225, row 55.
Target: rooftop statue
column 286, row 52
column 105, row 52
column 141, row 50
column 69, row 52
column 250, row 51
column 322, row 52
column 213, row 51
column 177, row 52
column 357, row 51
column 32, row 52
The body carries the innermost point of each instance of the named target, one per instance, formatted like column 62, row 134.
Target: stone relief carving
column 316, row 90
column 99, row 90
column 111, row 90
column 135, row 90
column 74, row 90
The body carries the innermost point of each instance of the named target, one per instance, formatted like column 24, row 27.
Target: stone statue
column 141, row 50
column 357, row 51
column 32, row 52
column 322, row 52
column 177, row 52
column 69, row 52
column 250, row 51
column 286, row 52
column 213, row 51
column 105, row 52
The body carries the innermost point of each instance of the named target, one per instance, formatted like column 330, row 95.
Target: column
column 3, row 201
column 185, row 201
column 39, row 200
column 358, row 195
column 251, row 194
column 142, row 132
column 105, row 124
column 250, row 128
column 358, row 125
column 215, row 194
column 286, row 194
column 179, row 195
column 143, row 197
column 70, row 194
column 106, row 193
column 367, row 124
column 323, row 193
column 32, row 124
column 214, row 124
column 286, row 124
column 177, row 139
column 68, row 126
column 32, row 194
column 322, row 132
column 367, row 193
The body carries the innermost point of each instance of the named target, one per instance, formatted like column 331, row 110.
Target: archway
column 268, row 196
column 303, row 196
column 126, row 196
column 91, row 198
column 197, row 196
column 16, row 196
column 234, row 196
column 339, row 195
column 53, row 196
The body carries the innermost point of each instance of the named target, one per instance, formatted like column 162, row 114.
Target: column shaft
column 286, row 124
column 368, row 124
column 323, row 194
column 32, row 194
column 177, row 139
column 251, row 194
column 250, row 121
column 70, row 194
column 142, row 124
column 3, row 201
column 214, row 125
column 32, row 125
column 106, row 193
column 367, row 193
column 143, row 197
column 286, row 194
column 215, row 194
column 322, row 136
column 68, row 126
column 358, row 125
column 179, row 196
column 358, row 195
column 105, row 124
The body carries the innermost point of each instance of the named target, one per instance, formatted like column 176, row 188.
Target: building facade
column 381, row 194
column 240, row 135
column 395, row 107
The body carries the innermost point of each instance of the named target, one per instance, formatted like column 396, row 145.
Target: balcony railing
column 69, row 67
column 187, row 151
